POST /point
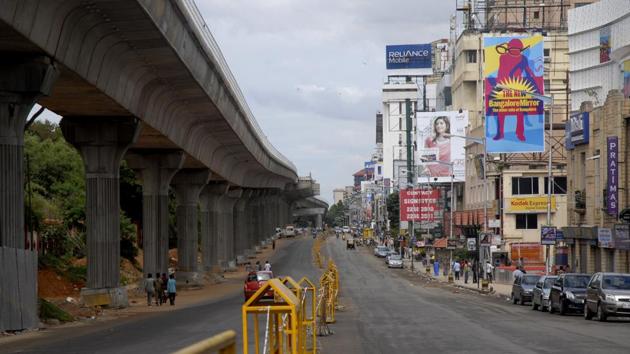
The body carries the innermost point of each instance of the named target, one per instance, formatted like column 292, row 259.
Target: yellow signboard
column 529, row 205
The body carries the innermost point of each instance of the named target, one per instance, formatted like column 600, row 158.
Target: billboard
column 604, row 237
column 548, row 235
column 626, row 79
column 524, row 205
column 612, row 199
column 515, row 121
column 577, row 130
column 434, row 145
column 604, row 45
column 409, row 56
column 418, row 205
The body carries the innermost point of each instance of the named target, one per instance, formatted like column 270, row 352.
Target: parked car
column 540, row 295
column 350, row 243
column 395, row 261
column 568, row 293
column 607, row 294
column 523, row 287
column 381, row 251
column 390, row 253
column 254, row 281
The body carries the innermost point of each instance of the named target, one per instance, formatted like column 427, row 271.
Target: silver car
column 540, row 297
column 394, row 261
column 607, row 294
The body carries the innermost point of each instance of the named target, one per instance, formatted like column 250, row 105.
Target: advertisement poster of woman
column 435, row 143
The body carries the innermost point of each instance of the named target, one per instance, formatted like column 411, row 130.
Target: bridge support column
column 155, row 169
column 241, row 226
column 22, row 82
column 187, row 184
column 229, row 202
column 211, row 226
column 102, row 142
column 318, row 221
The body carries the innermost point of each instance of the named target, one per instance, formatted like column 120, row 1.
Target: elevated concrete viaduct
column 141, row 80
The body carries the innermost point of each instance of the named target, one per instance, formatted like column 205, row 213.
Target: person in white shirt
column 489, row 269
column 457, row 268
column 267, row 266
column 517, row 273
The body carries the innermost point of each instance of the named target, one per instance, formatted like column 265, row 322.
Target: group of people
column 160, row 287
column 463, row 268
column 258, row 267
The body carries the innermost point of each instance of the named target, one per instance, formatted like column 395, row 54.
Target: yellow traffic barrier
column 308, row 318
column 282, row 315
column 222, row 343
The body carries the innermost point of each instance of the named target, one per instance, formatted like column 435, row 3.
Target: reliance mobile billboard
column 436, row 149
column 515, row 120
column 409, row 56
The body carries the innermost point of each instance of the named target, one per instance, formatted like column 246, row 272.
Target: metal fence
column 18, row 289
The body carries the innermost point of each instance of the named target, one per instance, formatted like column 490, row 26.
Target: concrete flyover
column 141, row 80
column 313, row 207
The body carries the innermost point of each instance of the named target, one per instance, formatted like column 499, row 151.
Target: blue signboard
column 408, row 56
column 577, row 130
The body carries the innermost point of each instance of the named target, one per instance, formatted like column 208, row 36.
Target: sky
column 312, row 70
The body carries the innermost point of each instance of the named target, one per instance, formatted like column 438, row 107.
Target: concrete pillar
column 22, row 82
column 229, row 202
column 318, row 221
column 253, row 216
column 102, row 142
column 241, row 226
column 211, row 225
column 156, row 170
column 187, row 184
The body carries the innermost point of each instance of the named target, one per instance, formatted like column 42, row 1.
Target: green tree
column 336, row 214
column 393, row 210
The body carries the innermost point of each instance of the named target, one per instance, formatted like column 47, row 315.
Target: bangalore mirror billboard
column 435, row 145
column 515, row 121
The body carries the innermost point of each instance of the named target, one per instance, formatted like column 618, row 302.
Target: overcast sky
column 312, row 70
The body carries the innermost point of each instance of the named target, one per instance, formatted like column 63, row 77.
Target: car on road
column 289, row 231
column 381, row 251
column 607, row 295
column 346, row 230
column 394, row 261
column 523, row 287
column 568, row 293
column 540, row 295
column 350, row 243
column 254, row 281
column 390, row 253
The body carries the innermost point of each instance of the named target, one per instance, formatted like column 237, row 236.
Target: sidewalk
column 497, row 288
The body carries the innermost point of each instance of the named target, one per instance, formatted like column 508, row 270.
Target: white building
column 599, row 44
column 338, row 195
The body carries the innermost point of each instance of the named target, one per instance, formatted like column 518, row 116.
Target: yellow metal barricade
column 282, row 320
column 309, row 296
column 222, row 343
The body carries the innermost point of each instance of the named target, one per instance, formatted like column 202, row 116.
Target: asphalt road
column 391, row 311
column 166, row 332
column 386, row 311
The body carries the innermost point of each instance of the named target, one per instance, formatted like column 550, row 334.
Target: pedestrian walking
column 457, row 268
column 171, row 288
column 489, row 269
column 475, row 272
column 267, row 266
column 157, row 284
column 466, row 271
column 149, row 288
column 258, row 266
column 163, row 291
column 273, row 244
column 436, row 267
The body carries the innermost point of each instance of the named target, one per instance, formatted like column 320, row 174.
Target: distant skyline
column 312, row 71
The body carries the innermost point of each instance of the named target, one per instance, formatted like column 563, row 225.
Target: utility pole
column 408, row 126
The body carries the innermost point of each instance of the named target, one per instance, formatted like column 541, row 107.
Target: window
column 471, row 56
column 526, row 221
column 546, row 52
column 547, row 84
column 536, row 14
column 525, row 185
column 559, row 185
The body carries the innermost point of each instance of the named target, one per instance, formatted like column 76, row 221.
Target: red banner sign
column 418, row 204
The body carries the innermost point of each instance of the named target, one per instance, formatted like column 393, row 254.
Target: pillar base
column 189, row 279
column 108, row 297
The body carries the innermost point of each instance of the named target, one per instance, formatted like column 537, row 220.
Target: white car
column 394, row 261
column 346, row 230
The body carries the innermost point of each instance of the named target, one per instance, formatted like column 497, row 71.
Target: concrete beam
column 155, row 169
column 102, row 142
